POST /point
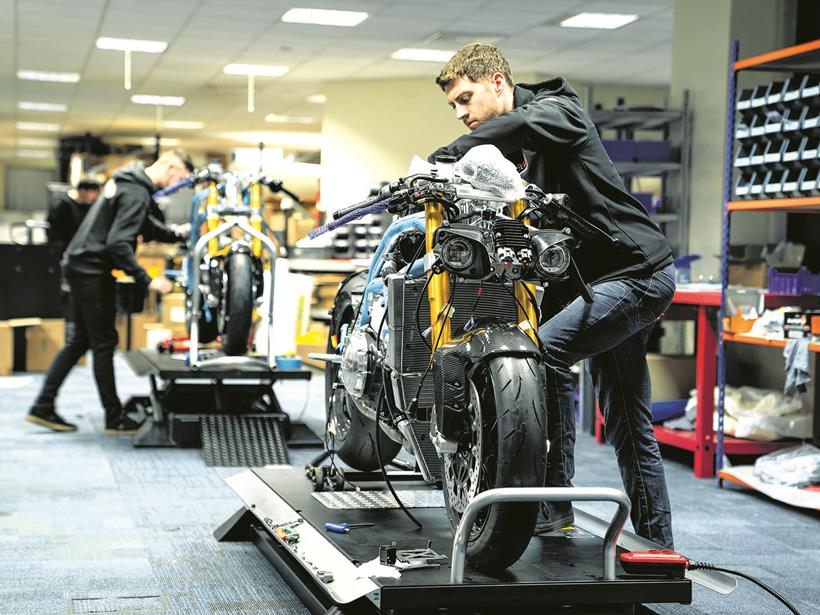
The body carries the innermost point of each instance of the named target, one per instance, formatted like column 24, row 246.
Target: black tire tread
column 239, row 318
column 520, row 412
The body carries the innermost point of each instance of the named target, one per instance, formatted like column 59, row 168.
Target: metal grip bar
column 542, row 494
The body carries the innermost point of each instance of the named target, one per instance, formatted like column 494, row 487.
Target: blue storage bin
column 622, row 150
column 288, row 362
column 653, row 151
column 670, row 409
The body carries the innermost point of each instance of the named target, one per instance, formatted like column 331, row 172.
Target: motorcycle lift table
column 231, row 411
column 560, row 572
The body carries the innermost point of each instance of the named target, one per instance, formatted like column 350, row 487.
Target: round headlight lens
column 554, row 260
column 457, row 254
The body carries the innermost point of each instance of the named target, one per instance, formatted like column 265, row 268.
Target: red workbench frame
column 701, row 442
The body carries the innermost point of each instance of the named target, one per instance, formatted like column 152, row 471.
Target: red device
column 655, row 561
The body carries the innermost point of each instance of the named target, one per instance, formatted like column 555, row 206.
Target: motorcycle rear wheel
column 351, row 434
column 507, row 448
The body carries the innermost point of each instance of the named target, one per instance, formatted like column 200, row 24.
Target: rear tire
column 351, row 434
column 510, row 433
column 238, row 292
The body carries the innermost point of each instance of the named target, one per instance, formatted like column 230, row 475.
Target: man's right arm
column 131, row 211
column 543, row 122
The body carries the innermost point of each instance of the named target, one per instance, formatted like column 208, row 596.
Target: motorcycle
column 226, row 274
column 434, row 347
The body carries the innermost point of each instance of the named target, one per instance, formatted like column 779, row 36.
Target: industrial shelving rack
column 675, row 126
column 799, row 59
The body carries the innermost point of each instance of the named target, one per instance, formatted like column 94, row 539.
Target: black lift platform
column 561, row 572
column 230, row 410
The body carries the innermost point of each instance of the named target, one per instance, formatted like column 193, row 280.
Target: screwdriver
column 344, row 528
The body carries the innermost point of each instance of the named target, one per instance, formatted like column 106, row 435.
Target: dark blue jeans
column 612, row 332
column 93, row 312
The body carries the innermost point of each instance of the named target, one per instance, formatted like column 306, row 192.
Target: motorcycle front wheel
column 507, row 447
column 238, row 290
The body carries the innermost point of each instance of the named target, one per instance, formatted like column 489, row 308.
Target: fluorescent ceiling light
column 599, row 21
column 324, row 17
column 34, row 142
column 317, row 99
column 34, row 153
column 39, row 75
column 131, row 44
column 422, row 55
column 273, row 118
column 183, row 125
column 25, row 105
column 257, row 70
column 37, row 126
column 153, row 99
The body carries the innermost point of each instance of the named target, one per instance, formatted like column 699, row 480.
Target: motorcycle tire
column 513, row 453
column 352, row 435
column 238, row 304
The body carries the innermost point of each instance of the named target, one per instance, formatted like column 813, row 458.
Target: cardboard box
column 43, row 342
column 673, row 376
column 138, row 334
column 173, row 309
column 755, row 276
column 6, row 349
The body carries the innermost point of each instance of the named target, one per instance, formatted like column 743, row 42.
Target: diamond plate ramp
column 243, row 440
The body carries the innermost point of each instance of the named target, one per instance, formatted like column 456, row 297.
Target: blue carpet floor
column 88, row 524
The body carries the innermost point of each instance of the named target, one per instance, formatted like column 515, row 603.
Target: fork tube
column 212, row 217
column 528, row 317
column 438, row 290
column 256, row 217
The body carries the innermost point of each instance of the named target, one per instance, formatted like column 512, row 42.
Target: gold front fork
column 527, row 317
column 256, row 217
column 213, row 217
column 438, row 289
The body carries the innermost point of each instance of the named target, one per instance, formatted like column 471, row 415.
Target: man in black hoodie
column 544, row 129
column 106, row 240
column 69, row 210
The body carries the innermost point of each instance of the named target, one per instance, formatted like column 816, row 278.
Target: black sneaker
column 47, row 417
column 554, row 516
column 121, row 426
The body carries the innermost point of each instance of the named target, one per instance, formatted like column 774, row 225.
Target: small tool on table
column 344, row 528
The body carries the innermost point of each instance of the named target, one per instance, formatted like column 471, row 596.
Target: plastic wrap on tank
column 486, row 168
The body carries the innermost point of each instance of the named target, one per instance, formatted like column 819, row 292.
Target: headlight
column 554, row 260
column 554, row 252
column 457, row 254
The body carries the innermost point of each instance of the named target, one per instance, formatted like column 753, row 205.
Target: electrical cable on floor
column 384, row 472
column 707, row 566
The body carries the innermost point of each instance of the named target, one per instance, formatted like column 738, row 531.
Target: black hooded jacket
column 64, row 218
column 108, row 235
column 551, row 136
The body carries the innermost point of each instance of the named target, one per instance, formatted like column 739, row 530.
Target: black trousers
column 93, row 312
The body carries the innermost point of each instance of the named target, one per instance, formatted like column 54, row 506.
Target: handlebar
column 275, row 185
column 185, row 183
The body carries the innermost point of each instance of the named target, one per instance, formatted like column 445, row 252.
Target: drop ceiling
column 205, row 35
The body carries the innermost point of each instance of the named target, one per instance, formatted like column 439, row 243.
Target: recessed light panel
column 422, row 55
column 324, row 17
column 39, row 75
column 598, row 21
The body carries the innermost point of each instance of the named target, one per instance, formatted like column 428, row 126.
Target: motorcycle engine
column 356, row 366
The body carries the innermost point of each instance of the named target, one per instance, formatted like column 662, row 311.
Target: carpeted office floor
column 88, row 524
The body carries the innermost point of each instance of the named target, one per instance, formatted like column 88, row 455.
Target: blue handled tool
column 344, row 528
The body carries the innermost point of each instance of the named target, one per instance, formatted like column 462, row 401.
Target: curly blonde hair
column 475, row 61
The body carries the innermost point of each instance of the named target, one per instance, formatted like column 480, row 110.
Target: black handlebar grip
column 346, row 210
